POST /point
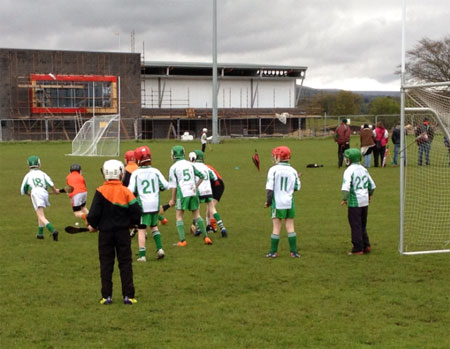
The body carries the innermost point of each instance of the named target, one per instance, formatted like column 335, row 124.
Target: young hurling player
column 282, row 181
column 357, row 188
column 184, row 193
column 35, row 185
column 205, row 190
column 78, row 196
column 146, row 183
column 218, row 187
column 113, row 210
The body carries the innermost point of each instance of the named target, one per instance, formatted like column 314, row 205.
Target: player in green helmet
column 35, row 185
column 357, row 188
column 184, row 193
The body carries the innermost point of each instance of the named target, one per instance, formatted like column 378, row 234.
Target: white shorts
column 79, row 199
column 39, row 198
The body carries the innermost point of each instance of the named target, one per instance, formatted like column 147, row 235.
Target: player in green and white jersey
column 357, row 188
column 184, row 193
column 205, row 189
column 282, row 181
column 35, row 185
column 146, row 183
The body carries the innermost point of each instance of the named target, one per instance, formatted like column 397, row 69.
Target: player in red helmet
column 282, row 181
column 146, row 183
column 130, row 166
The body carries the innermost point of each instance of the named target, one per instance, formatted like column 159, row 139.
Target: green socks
column 218, row 220
column 180, row 229
column 201, row 225
column 40, row 230
column 274, row 240
column 292, row 237
column 50, row 228
column 142, row 251
column 157, row 237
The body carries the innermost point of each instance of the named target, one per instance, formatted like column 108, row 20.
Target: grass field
column 226, row 295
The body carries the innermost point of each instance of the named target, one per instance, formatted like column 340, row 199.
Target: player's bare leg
column 43, row 222
column 141, row 243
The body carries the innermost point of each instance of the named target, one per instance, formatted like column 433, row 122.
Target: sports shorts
column 150, row 219
column 283, row 213
column 78, row 201
column 39, row 198
column 217, row 189
column 188, row 203
column 205, row 198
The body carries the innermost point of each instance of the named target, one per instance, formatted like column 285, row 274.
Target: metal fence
column 50, row 129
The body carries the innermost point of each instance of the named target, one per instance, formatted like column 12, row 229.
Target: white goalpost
column 424, row 165
column 100, row 135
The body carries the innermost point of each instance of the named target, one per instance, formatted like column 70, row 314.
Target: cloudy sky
column 346, row 44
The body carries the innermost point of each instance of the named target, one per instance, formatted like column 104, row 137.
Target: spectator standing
column 367, row 144
column 342, row 138
column 424, row 136
column 381, row 136
column 396, row 141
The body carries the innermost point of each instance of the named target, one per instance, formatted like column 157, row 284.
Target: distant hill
column 308, row 92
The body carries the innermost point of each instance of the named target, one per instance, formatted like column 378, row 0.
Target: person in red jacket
column 381, row 136
column 113, row 210
column 342, row 138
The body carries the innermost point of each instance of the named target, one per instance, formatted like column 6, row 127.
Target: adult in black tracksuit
column 113, row 210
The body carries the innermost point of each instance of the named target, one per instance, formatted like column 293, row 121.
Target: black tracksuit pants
column 111, row 244
column 357, row 217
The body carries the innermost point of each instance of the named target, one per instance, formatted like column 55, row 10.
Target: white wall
column 233, row 93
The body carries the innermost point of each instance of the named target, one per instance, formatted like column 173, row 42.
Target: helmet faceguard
column 352, row 156
column 143, row 155
column 281, row 153
column 129, row 156
column 177, row 152
column 113, row 169
column 34, row 162
column 75, row 167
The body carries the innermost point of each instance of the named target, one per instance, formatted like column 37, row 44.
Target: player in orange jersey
column 78, row 196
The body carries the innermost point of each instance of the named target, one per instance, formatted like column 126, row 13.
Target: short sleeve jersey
column 182, row 176
column 283, row 180
column 146, row 182
column 76, row 180
column 205, row 186
column 35, row 180
column 358, row 182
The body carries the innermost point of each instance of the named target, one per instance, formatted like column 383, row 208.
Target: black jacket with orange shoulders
column 113, row 208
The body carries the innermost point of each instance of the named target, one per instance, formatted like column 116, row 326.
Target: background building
column 51, row 93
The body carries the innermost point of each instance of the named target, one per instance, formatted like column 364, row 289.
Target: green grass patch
column 228, row 294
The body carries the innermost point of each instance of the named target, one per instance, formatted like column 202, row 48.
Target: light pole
column 215, row 138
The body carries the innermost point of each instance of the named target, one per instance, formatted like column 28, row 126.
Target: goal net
column 425, row 221
column 99, row 136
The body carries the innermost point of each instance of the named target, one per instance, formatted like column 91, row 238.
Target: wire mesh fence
column 54, row 129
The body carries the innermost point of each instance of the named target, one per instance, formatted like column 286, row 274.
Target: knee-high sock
column 274, row 240
column 292, row 237
column 157, row 237
column 201, row 225
column 180, row 229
